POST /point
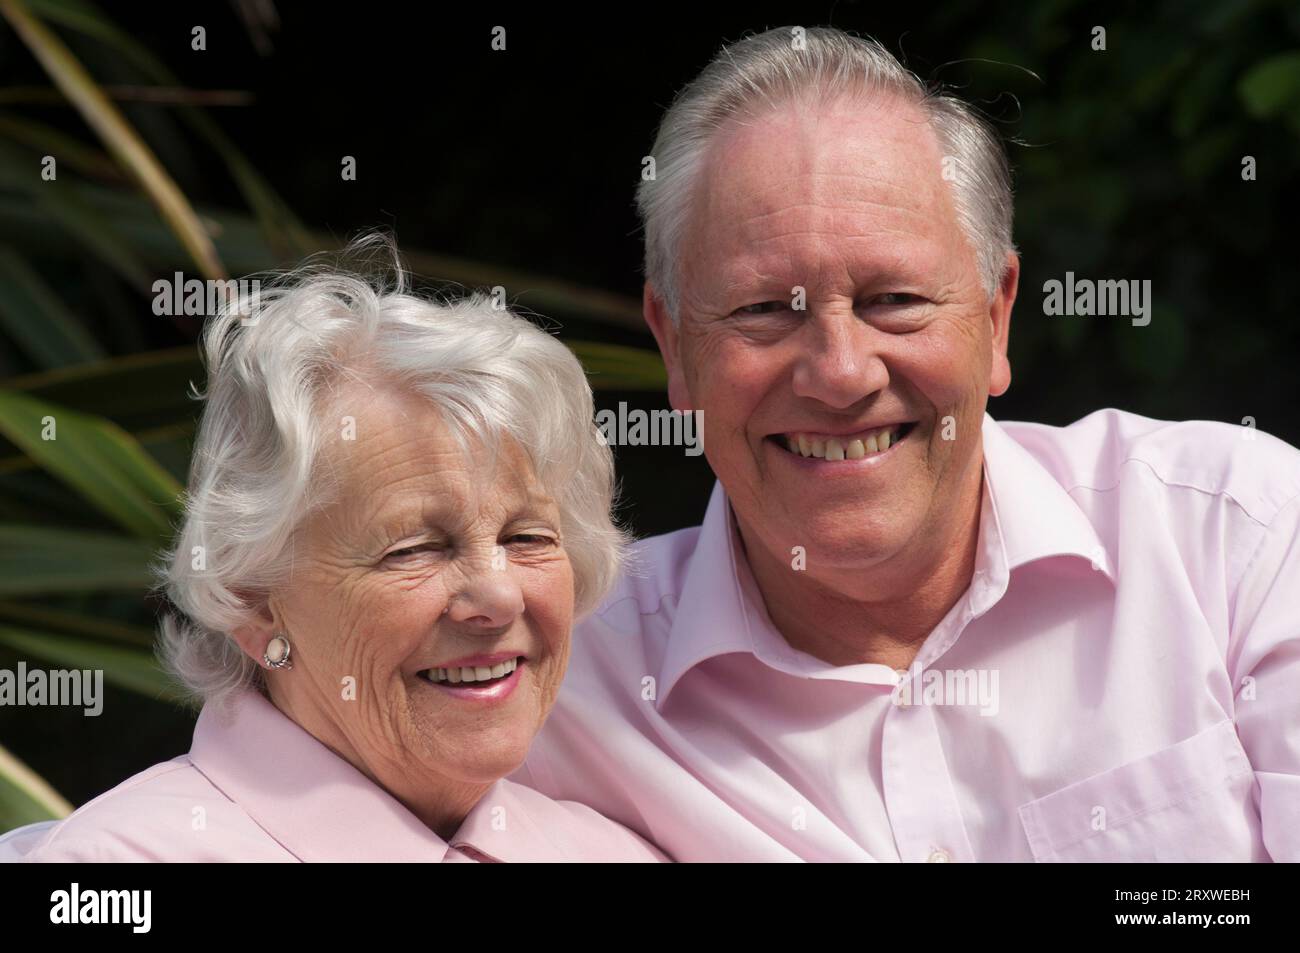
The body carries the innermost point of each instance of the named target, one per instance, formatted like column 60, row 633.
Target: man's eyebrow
column 738, row 279
column 747, row 270
column 741, row 276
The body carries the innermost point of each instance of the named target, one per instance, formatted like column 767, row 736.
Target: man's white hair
column 762, row 73
column 273, row 380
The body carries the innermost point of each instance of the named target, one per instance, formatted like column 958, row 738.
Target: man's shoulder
column 626, row 637
column 1107, row 448
column 161, row 813
column 653, row 579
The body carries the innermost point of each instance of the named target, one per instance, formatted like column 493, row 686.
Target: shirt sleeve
column 1265, row 661
column 74, row 851
column 17, row 843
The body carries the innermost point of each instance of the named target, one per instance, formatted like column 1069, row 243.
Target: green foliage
column 1128, row 164
column 96, row 444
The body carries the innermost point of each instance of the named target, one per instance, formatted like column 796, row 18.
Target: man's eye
column 897, row 298
column 764, row 307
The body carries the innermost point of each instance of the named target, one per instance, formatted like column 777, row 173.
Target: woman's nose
column 490, row 598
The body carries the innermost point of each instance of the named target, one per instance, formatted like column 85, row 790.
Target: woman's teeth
column 480, row 673
column 841, row 448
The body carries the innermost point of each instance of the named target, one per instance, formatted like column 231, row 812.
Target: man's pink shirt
column 1134, row 616
column 257, row 787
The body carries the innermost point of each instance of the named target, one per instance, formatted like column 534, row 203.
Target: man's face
column 847, row 202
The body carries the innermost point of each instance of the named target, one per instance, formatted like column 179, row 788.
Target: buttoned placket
column 920, row 797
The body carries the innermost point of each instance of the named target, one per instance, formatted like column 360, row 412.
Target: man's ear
column 667, row 337
column 253, row 636
column 1000, row 318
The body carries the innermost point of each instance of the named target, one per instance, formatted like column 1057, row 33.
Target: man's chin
column 843, row 553
column 844, row 530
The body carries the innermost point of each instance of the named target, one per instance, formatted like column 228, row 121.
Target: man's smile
column 869, row 444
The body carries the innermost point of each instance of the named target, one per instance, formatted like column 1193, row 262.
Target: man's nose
column 839, row 361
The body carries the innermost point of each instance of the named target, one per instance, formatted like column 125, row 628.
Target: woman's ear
column 252, row 637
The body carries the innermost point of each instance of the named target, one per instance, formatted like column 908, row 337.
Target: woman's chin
column 479, row 749
column 487, row 765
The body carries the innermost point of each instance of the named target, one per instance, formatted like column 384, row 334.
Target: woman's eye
column 414, row 550
column 532, row 539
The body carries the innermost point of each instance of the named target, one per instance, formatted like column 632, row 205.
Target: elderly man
column 905, row 631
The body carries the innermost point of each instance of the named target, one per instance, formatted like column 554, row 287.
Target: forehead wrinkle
column 791, row 216
column 794, row 146
column 513, row 489
column 422, row 498
column 820, row 163
column 830, row 226
column 882, row 206
column 856, row 257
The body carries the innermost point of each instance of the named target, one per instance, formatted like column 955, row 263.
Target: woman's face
column 428, row 567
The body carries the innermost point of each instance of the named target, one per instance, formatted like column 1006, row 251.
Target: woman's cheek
column 548, row 595
column 397, row 616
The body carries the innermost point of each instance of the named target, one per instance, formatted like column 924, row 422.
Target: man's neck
column 872, row 615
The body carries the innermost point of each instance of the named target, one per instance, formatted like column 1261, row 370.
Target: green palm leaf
column 133, row 669
column 37, row 319
column 117, row 134
column 97, row 458
column 40, row 560
column 75, row 623
column 24, row 797
column 618, row 367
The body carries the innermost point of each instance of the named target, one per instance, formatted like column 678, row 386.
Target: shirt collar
column 322, row 809
column 1025, row 516
column 711, row 617
column 1035, row 517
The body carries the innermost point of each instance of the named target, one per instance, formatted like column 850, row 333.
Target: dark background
column 1127, row 164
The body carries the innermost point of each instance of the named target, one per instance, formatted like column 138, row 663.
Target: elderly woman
column 396, row 508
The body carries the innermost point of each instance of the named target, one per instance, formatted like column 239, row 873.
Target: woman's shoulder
column 169, row 812
column 575, row 830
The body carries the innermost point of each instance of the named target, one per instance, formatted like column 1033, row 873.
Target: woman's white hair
column 762, row 73
column 276, row 358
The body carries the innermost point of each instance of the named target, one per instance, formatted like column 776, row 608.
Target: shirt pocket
column 1192, row 801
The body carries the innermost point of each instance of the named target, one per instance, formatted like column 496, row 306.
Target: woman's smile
column 477, row 680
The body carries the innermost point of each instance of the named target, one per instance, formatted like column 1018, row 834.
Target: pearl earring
column 277, row 653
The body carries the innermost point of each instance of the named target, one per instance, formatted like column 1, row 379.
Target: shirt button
column 939, row 856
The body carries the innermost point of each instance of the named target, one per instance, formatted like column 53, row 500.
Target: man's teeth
column 836, row 448
column 480, row 673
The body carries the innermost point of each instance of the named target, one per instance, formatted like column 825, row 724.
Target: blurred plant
column 82, row 515
column 1129, row 166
